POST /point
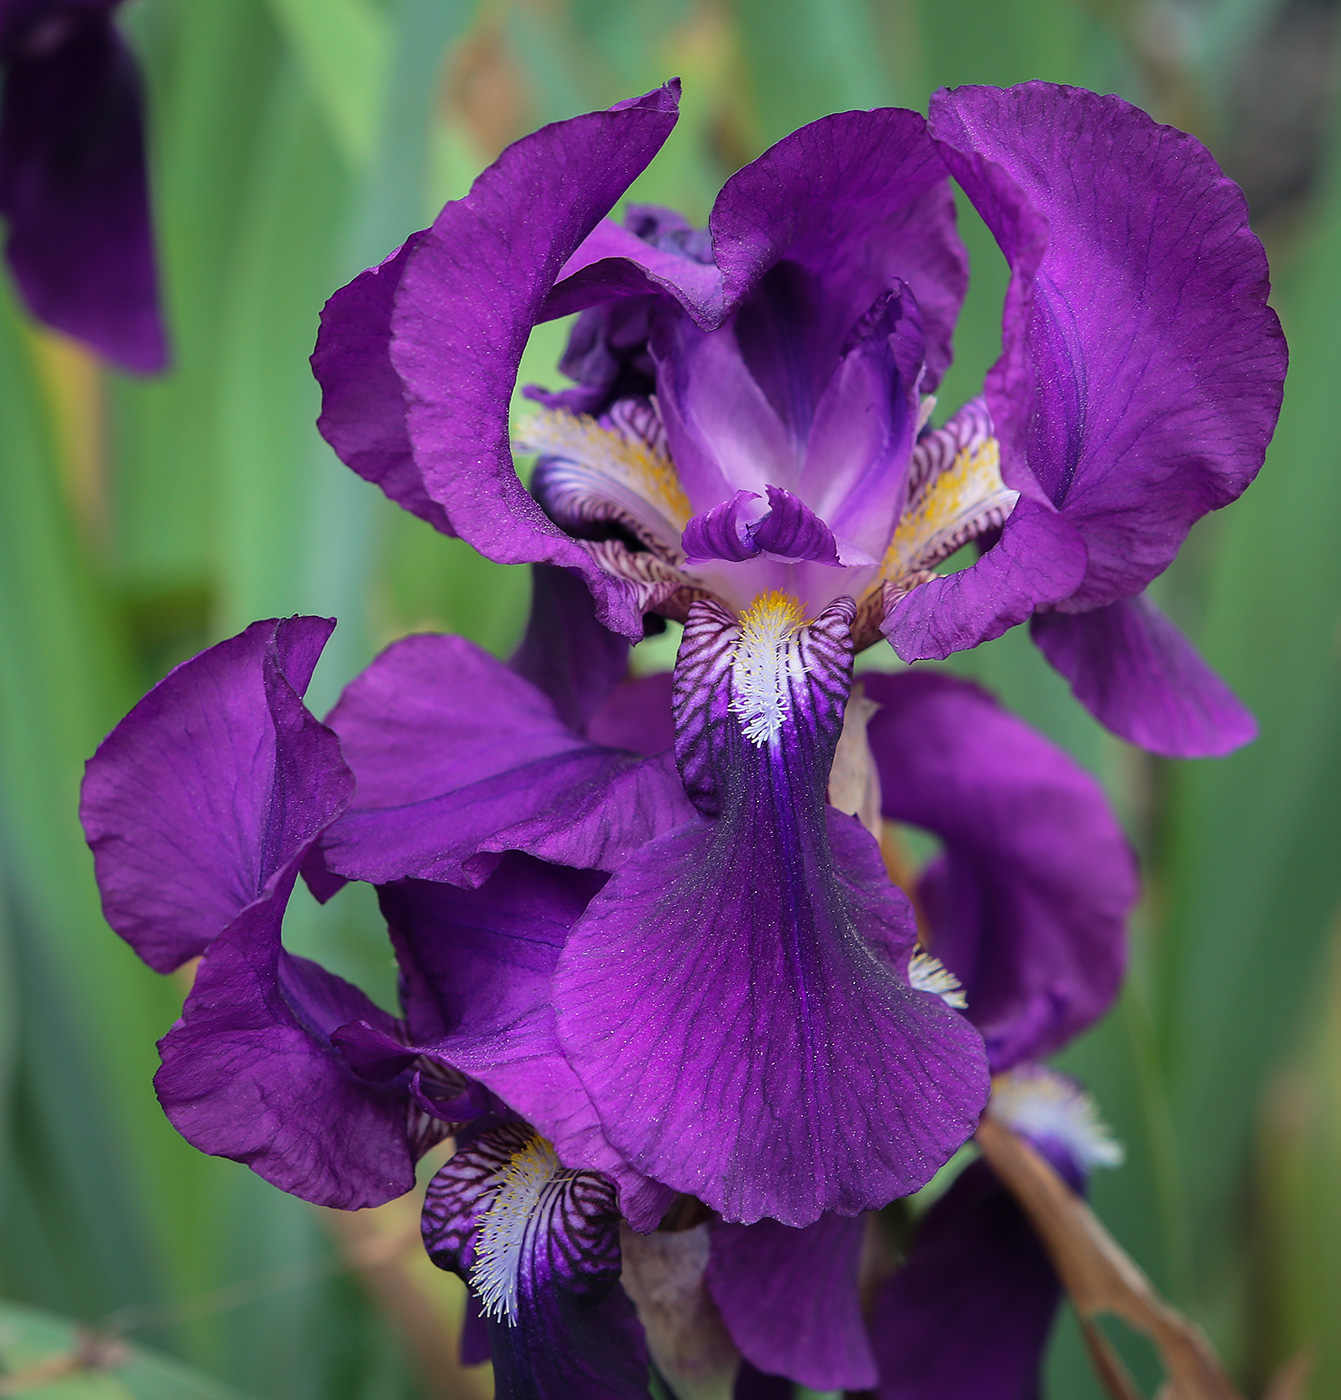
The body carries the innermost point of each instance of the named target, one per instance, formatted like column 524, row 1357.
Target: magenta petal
column 968, row 1315
column 1142, row 370
column 457, row 758
column 201, row 798
column 1028, row 904
column 1138, row 675
column 789, row 1298
column 362, row 401
column 472, row 289
column 73, row 186
column 1039, row 559
column 250, row 1072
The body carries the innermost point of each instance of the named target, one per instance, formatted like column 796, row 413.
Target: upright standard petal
column 362, row 398
column 1137, row 674
column 1028, row 901
column 73, row 186
column 790, row 1299
column 856, row 199
column 471, row 291
column 539, row 1245
column 736, row 998
column 199, row 802
column 1142, row 368
column 457, row 758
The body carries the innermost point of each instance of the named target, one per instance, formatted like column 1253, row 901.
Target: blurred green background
column 293, row 143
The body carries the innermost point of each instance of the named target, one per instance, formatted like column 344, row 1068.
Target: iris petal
column 790, row 1299
column 457, row 758
column 1137, row 674
column 200, row 799
column 735, row 999
column 541, row 1245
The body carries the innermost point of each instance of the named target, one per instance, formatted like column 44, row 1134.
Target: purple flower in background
column 968, row 1315
column 752, row 400
column 73, row 186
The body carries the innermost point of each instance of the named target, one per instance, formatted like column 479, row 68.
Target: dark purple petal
column 1142, row 369
column 458, row 758
column 471, row 290
column 474, row 1334
column 790, row 1299
column 476, row 970
column 250, row 1072
column 540, row 1245
column 565, row 652
column 73, row 187
column 968, row 1315
column 1029, row 900
column 1137, row 674
column 202, row 798
column 637, row 716
column 735, row 999
column 1039, row 559
column 362, row 401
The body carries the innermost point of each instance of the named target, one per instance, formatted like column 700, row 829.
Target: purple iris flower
column 73, row 186
column 207, row 801
column 751, row 404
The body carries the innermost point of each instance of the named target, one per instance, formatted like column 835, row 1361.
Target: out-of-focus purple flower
column 750, row 412
column 73, row 187
column 967, row 1316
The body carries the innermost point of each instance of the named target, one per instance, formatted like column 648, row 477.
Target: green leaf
column 345, row 49
column 38, row 1344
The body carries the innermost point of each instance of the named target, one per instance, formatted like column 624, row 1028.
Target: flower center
column 501, row 1235
column 762, row 663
